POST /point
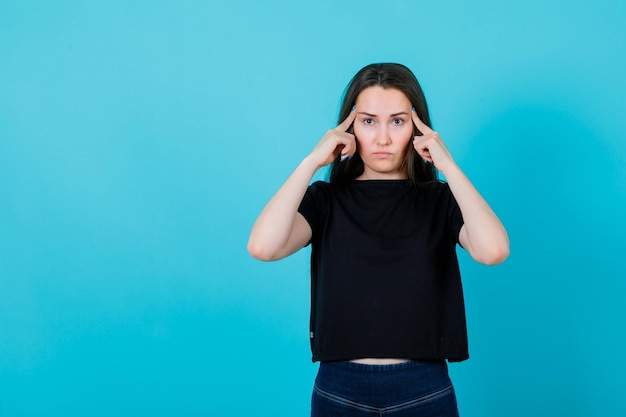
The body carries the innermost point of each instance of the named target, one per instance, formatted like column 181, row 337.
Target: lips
column 382, row 154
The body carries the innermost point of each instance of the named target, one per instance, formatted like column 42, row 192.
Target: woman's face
column 383, row 128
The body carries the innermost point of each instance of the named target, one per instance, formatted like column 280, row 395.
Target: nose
column 383, row 138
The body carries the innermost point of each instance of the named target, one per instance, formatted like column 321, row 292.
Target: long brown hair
column 399, row 77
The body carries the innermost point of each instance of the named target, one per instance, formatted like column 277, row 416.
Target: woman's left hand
column 430, row 146
column 482, row 233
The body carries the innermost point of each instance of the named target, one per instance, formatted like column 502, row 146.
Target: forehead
column 382, row 100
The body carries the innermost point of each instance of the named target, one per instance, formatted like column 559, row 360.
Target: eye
column 397, row 122
column 368, row 121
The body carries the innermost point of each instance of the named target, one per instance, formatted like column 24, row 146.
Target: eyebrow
column 391, row 115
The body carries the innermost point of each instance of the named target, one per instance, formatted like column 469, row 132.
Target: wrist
column 451, row 169
column 310, row 164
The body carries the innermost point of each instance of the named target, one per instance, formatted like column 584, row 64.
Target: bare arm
column 482, row 235
column 280, row 230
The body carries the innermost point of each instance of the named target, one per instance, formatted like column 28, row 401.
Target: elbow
column 259, row 251
column 494, row 256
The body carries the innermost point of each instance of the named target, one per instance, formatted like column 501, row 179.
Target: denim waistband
column 382, row 385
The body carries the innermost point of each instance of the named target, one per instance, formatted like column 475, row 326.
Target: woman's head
column 389, row 79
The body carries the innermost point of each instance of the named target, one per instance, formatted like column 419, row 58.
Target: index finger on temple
column 343, row 126
column 423, row 127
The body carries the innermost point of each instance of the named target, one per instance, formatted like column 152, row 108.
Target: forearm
column 485, row 236
column 273, row 228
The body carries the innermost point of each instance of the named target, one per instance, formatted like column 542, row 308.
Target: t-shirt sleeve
column 311, row 206
column 455, row 218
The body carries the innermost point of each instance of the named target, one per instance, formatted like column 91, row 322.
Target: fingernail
column 354, row 107
column 413, row 108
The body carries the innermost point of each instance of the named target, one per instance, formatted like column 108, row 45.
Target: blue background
column 140, row 139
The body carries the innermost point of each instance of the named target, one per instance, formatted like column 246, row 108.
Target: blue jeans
column 414, row 388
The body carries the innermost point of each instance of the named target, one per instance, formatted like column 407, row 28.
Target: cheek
column 362, row 134
column 404, row 134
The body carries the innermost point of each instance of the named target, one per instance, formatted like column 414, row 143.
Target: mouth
column 382, row 154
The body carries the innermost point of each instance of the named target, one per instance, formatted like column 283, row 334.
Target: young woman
column 387, row 306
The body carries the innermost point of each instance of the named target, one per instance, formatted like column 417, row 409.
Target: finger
column 343, row 126
column 421, row 126
column 422, row 148
column 348, row 150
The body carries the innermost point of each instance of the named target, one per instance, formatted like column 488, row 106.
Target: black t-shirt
column 385, row 279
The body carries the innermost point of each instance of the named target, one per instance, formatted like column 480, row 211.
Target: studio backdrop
column 139, row 140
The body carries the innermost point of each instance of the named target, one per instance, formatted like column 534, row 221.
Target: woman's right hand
column 335, row 141
column 280, row 229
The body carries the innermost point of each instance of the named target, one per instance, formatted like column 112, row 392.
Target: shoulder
column 319, row 185
column 318, row 188
column 317, row 194
column 435, row 188
column 437, row 194
column 326, row 188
